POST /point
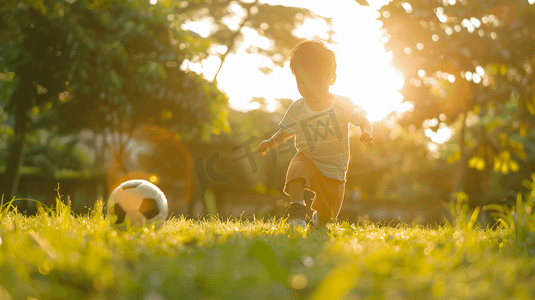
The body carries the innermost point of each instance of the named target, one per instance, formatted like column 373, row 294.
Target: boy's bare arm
column 365, row 126
column 278, row 138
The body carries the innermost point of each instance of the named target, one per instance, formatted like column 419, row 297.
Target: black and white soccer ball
column 140, row 201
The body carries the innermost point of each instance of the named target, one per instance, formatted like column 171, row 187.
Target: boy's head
column 314, row 67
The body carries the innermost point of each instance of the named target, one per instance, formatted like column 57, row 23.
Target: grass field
column 56, row 254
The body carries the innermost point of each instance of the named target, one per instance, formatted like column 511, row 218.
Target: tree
column 462, row 61
column 6, row 132
column 32, row 49
column 104, row 68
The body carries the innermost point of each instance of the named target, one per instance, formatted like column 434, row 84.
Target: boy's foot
column 296, row 214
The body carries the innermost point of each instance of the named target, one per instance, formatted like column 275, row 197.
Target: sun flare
column 363, row 72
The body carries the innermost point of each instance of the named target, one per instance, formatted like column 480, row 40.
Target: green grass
column 57, row 254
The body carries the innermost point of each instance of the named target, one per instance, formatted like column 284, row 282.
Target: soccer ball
column 140, row 201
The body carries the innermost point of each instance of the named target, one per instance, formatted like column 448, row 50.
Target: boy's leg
column 296, row 211
column 303, row 173
column 296, row 188
column 297, row 179
column 328, row 200
column 319, row 219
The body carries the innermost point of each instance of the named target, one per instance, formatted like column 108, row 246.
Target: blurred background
column 180, row 93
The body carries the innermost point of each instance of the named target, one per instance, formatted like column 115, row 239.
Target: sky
column 363, row 72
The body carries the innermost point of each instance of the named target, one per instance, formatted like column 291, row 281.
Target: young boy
column 319, row 122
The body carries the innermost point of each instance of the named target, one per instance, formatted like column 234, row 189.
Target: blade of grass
column 473, row 218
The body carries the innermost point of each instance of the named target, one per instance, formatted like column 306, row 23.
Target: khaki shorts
column 329, row 192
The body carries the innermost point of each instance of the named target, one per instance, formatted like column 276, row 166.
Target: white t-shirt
column 323, row 136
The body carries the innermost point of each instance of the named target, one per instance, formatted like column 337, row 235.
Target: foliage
column 520, row 218
column 232, row 20
column 468, row 64
column 460, row 212
column 394, row 169
column 31, row 52
column 59, row 254
column 106, row 66
column 6, row 132
column 486, row 73
column 130, row 73
column 51, row 153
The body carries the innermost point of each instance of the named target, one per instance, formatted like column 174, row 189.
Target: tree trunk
column 98, row 167
column 16, row 153
column 462, row 167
